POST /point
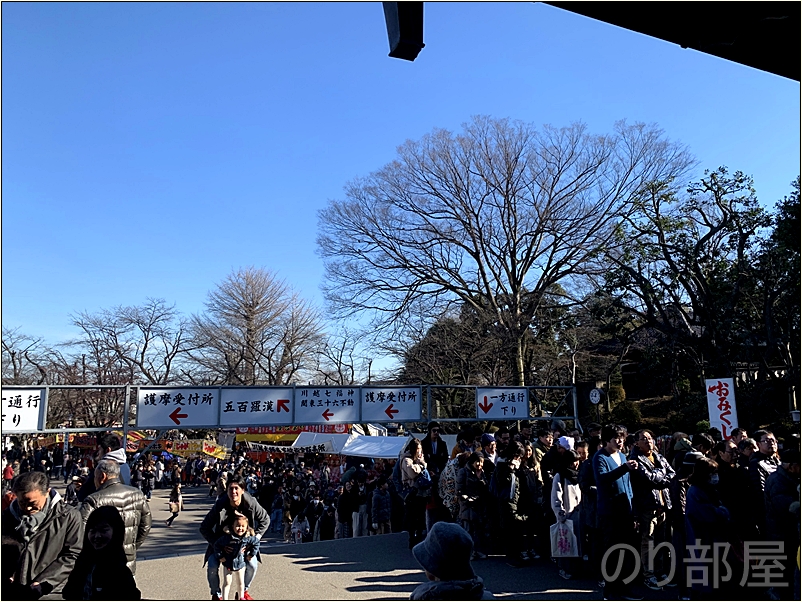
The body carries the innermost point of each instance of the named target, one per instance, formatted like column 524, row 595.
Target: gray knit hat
column 446, row 552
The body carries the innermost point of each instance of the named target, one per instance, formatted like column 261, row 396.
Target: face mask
column 296, row 497
column 714, row 479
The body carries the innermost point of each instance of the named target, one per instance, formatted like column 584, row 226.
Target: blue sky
column 149, row 149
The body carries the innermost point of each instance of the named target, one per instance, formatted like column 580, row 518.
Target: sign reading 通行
column 171, row 407
column 721, row 405
column 391, row 404
column 22, row 410
column 502, row 403
column 326, row 405
column 251, row 406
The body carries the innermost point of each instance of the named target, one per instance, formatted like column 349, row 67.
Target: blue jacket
column 613, row 487
column 241, row 546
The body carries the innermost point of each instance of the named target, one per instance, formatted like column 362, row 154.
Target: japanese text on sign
column 383, row 404
column 511, row 403
column 721, row 405
column 256, row 406
column 21, row 409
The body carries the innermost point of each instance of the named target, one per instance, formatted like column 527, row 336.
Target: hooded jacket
column 49, row 556
column 134, row 509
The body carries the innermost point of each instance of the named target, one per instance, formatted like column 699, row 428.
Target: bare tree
column 254, row 331
column 492, row 218
column 149, row 339
column 20, row 358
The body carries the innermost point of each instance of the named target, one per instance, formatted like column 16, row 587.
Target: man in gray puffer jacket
column 130, row 501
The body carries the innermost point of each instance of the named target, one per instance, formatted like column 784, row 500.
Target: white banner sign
column 251, row 406
column 171, row 407
column 22, row 410
column 504, row 403
column 326, row 405
column 721, row 405
column 391, row 404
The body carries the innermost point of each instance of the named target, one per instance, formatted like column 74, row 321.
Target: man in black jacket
column 130, row 501
column 49, row 531
column 222, row 515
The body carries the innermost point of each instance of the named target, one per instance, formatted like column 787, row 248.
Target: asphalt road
column 169, row 566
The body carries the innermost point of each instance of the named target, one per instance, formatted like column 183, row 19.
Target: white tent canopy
column 333, row 443
column 375, row 447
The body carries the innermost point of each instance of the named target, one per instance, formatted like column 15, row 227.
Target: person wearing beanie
column 445, row 556
column 488, row 451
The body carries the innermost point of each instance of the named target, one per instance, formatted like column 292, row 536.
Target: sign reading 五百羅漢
column 391, row 404
column 22, row 410
column 255, row 406
column 721, row 405
column 507, row 403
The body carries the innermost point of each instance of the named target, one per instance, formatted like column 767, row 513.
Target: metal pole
column 576, row 410
column 43, row 410
column 126, row 408
column 429, row 403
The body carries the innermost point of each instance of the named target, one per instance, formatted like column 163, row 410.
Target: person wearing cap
column 488, row 443
column 445, row 556
column 435, row 451
column 782, row 489
column 71, row 495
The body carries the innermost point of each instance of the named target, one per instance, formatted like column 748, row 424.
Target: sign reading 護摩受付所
column 174, row 407
column 396, row 404
column 22, row 410
column 721, row 405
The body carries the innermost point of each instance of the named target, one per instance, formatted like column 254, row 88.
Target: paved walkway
column 169, row 565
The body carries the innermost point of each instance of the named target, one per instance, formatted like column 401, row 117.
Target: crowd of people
column 666, row 499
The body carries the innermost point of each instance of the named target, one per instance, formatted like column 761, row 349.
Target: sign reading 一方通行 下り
column 255, row 406
column 391, row 404
column 326, row 405
column 22, row 410
column 172, row 407
column 502, row 403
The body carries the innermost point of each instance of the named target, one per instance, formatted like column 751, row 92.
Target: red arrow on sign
column 327, row 414
column 281, row 404
column 176, row 415
column 390, row 411
column 485, row 407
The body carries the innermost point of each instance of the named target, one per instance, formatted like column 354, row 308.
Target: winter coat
column 222, row 515
column 613, row 487
column 781, row 492
column 651, row 482
column 410, row 470
column 707, row 521
column 240, row 547
column 107, row 579
column 504, row 474
column 587, row 483
column 49, row 555
column 134, row 509
column 565, row 497
column 472, row 589
column 381, row 508
column 436, row 461
column 472, row 494
column 447, row 488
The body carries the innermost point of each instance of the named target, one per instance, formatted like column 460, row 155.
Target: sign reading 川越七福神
column 721, row 405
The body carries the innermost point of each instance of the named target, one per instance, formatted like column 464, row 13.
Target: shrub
column 616, row 394
column 627, row 413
